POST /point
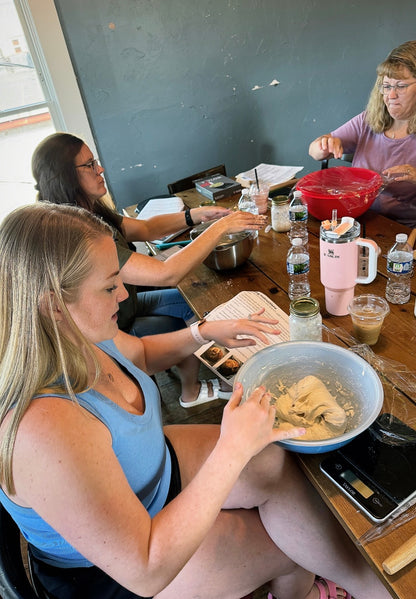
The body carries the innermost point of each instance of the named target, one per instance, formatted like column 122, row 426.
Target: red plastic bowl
column 349, row 189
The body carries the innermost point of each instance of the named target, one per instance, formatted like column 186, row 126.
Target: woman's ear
column 49, row 306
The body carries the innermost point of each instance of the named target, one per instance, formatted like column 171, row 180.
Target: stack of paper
column 272, row 174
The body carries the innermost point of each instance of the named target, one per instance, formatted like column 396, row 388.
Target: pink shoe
column 324, row 586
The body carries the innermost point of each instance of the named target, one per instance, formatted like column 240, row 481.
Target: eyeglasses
column 92, row 164
column 399, row 88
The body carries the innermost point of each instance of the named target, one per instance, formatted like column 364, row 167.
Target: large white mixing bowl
column 346, row 375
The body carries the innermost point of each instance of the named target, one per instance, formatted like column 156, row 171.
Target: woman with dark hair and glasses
column 383, row 137
column 66, row 172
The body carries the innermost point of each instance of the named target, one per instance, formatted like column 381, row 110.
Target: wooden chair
column 187, row 182
column 344, row 157
column 14, row 580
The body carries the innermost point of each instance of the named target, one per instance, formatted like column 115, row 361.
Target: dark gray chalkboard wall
column 175, row 86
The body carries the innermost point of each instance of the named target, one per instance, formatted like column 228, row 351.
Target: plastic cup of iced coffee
column 367, row 314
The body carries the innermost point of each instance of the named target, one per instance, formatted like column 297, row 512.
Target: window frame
column 50, row 55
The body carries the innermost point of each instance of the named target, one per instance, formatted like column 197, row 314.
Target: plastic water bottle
column 298, row 216
column 399, row 271
column 247, row 204
column 297, row 264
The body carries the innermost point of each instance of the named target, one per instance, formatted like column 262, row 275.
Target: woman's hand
column 240, row 221
column 402, row 172
column 228, row 332
column 326, row 146
column 248, row 426
column 206, row 213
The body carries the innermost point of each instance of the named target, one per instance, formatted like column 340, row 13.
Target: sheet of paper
column 244, row 303
column 160, row 206
column 272, row 174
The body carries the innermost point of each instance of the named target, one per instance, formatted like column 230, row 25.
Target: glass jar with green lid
column 280, row 214
column 305, row 320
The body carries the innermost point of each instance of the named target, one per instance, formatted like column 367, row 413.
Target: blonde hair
column 377, row 115
column 44, row 258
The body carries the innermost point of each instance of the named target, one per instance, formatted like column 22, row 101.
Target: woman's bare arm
column 165, row 224
column 156, row 353
column 144, row 270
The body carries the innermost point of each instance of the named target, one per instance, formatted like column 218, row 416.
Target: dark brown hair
column 57, row 182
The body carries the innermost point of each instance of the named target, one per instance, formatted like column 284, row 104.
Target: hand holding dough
column 308, row 403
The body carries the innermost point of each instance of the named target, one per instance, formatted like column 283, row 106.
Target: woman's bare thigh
column 236, row 557
column 192, row 443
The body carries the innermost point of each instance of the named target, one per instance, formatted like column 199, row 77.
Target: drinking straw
column 257, row 179
column 334, row 220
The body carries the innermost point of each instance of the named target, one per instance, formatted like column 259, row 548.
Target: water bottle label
column 399, row 267
column 297, row 269
column 300, row 214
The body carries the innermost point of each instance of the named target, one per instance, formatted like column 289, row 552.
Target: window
column 39, row 93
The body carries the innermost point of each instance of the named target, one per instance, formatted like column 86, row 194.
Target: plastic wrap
column 350, row 190
column 399, row 385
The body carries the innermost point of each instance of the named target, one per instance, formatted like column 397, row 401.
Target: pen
column 165, row 246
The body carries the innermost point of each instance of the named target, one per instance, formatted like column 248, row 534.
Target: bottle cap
column 401, row 238
column 297, row 194
column 304, row 307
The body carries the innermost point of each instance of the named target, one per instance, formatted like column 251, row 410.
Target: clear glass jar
column 280, row 214
column 305, row 320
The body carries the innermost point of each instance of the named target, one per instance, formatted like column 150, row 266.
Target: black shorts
column 91, row 582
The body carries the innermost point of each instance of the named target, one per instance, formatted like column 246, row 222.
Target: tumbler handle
column 373, row 252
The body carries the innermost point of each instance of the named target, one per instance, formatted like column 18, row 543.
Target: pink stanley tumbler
column 339, row 260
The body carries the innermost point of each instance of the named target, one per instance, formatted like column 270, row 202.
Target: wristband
column 188, row 218
column 194, row 328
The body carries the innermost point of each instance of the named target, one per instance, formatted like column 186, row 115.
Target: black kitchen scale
column 377, row 469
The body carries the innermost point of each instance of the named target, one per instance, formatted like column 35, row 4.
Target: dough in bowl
column 308, row 403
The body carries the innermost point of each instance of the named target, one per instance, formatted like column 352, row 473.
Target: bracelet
column 194, row 328
column 188, row 218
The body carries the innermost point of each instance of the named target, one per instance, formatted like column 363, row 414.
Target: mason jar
column 305, row 320
column 280, row 214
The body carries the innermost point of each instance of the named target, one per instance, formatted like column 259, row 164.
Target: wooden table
column 265, row 271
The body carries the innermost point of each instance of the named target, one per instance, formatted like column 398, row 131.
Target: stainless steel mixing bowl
column 231, row 251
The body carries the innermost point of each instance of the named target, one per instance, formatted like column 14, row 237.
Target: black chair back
column 14, row 582
column 344, row 157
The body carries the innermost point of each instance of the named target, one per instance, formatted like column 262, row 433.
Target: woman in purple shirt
column 383, row 137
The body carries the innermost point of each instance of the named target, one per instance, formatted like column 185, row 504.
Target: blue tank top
column 139, row 444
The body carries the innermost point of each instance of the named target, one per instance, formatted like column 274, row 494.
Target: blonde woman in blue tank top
column 113, row 504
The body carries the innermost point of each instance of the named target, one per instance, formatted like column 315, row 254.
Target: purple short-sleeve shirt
column 377, row 152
